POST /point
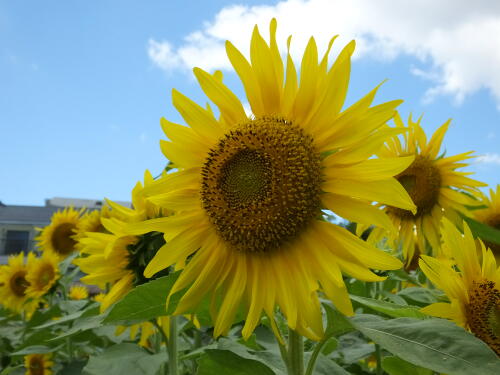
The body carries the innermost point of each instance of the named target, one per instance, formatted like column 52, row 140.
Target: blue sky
column 83, row 84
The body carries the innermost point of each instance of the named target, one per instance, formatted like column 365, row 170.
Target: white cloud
column 489, row 158
column 458, row 39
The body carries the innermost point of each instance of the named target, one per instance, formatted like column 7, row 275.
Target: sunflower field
column 303, row 238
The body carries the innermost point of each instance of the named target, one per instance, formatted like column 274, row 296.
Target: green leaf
column 9, row 369
column 325, row 366
column 36, row 349
column 391, row 309
column 397, row 366
column 337, row 323
column 422, row 296
column 72, row 368
column 82, row 325
column 436, row 344
column 330, row 345
column 225, row 362
column 90, row 310
column 124, row 359
column 144, row 302
column 483, row 231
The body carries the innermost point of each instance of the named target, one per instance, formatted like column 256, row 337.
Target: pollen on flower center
column 62, row 239
column 261, row 184
column 18, row 283
column 422, row 181
column 483, row 313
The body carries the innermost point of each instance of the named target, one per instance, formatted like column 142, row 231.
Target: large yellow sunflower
column 434, row 184
column 42, row 274
column 38, row 364
column 490, row 216
column 14, row 284
column 118, row 258
column 473, row 290
column 249, row 191
column 59, row 236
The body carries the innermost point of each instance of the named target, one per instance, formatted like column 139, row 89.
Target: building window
column 16, row 241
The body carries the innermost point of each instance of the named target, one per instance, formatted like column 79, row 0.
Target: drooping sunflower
column 59, row 236
column 78, row 292
column 490, row 216
column 249, row 191
column 118, row 258
column 473, row 290
column 38, row 364
column 42, row 274
column 14, row 284
column 433, row 183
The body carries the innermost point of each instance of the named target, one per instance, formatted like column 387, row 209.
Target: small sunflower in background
column 91, row 222
column 42, row 274
column 38, row 364
column 14, row 284
column 433, row 183
column 59, row 236
column 473, row 289
column 116, row 257
column 249, row 194
column 490, row 216
column 78, row 292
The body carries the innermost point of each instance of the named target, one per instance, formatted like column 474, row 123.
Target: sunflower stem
column 378, row 355
column 314, row 356
column 295, row 353
column 172, row 347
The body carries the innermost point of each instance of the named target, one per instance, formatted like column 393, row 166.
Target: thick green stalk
column 295, row 353
column 314, row 356
column 173, row 358
column 378, row 355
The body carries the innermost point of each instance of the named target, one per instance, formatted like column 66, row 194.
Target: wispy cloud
column 489, row 158
column 458, row 41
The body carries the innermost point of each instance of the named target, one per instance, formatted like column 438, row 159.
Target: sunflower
column 59, row 236
column 13, row 291
column 91, row 222
column 38, row 364
column 473, row 290
column 145, row 330
column 249, row 191
column 78, row 292
column 490, row 216
column 117, row 258
column 42, row 274
column 433, row 183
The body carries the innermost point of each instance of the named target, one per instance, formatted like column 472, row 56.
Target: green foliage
column 124, row 359
column 144, row 302
column 483, row 231
column 222, row 362
column 436, row 344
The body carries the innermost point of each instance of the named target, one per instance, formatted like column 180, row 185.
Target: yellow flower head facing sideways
column 59, row 236
column 42, row 274
column 38, row 364
column 490, row 216
column 473, row 288
column 14, row 284
column 433, row 183
column 117, row 257
column 249, row 191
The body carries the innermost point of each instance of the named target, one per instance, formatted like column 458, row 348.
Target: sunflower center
column 62, row 239
column 261, row 184
column 36, row 366
column 18, row 283
column 46, row 274
column 422, row 181
column 483, row 313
